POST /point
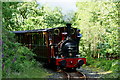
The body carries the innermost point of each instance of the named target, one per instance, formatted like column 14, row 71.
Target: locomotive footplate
column 70, row 62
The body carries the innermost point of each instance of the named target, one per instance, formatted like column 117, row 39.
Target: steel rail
column 74, row 75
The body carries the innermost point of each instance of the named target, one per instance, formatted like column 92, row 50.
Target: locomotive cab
column 69, row 51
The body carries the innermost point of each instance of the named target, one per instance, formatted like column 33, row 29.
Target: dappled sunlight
column 107, row 72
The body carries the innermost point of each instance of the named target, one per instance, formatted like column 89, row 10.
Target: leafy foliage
column 106, row 65
column 15, row 58
column 99, row 25
column 98, row 22
column 24, row 16
column 30, row 15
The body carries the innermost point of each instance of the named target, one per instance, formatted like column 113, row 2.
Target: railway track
column 74, row 75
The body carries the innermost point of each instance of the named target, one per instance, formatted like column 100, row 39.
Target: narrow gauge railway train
column 56, row 46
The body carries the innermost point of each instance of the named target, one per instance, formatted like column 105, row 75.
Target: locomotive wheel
column 58, row 69
column 74, row 69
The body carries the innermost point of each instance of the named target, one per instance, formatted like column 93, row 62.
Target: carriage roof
column 27, row 31
column 37, row 30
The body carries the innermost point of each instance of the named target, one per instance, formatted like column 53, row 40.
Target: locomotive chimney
column 68, row 28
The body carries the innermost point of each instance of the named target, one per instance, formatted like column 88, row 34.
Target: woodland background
column 99, row 24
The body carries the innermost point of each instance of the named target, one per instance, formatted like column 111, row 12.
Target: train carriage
column 57, row 46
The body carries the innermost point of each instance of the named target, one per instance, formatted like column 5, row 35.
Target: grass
column 34, row 72
column 103, row 65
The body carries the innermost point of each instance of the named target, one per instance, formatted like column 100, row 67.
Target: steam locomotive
column 56, row 46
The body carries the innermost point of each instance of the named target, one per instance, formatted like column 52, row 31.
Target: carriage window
column 38, row 39
column 20, row 38
column 28, row 38
column 17, row 37
column 31, row 38
column 35, row 37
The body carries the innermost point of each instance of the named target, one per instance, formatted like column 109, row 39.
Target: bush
column 106, row 65
column 90, row 61
column 15, row 58
column 112, row 65
column 103, row 63
column 115, row 66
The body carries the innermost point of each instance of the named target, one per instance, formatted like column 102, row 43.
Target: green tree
column 30, row 15
column 98, row 24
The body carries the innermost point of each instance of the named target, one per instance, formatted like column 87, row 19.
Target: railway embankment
column 18, row 61
column 102, row 68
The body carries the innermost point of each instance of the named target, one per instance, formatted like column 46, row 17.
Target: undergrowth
column 106, row 65
column 18, row 61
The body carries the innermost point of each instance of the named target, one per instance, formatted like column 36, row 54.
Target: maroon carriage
column 57, row 46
